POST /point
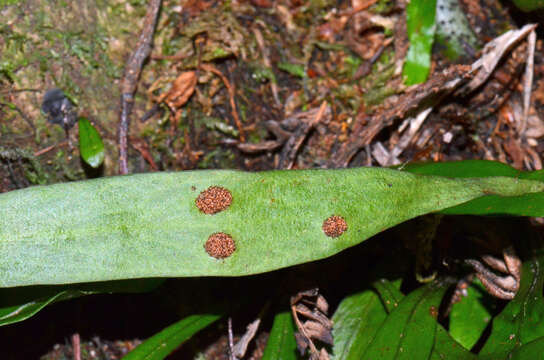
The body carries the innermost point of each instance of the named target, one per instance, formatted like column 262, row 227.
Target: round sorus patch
column 334, row 226
column 213, row 200
column 220, row 245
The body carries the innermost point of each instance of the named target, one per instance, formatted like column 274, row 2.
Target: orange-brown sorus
column 213, row 200
column 334, row 226
column 220, row 245
column 433, row 310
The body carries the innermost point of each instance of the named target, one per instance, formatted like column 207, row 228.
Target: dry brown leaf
column 316, row 330
column 182, row 89
column 317, row 327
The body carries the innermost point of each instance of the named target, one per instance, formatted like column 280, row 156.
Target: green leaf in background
column 15, row 313
column 453, row 29
column 389, row 292
column 470, row 316
column 446, row 348
column 148, row 225
column 356, row 322
column 18, row 304
column 164, row 342
column 420, row 26
column 522, row 320
column 463, row 169
column 281, row 344
column 524, row 205
column 409, row 331
column 529, row 5
column 293, row 69
column 530, row 350
column 91, row 147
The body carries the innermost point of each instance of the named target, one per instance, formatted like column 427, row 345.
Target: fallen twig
column 130, row 79
column 76, row 346
column 142, row 147
column 291, row 147
column 230, row 88
column 240, row 348
column 231, row 339
column 528, row 81
column 264, row 51
column 49, row 148
column 457, row 80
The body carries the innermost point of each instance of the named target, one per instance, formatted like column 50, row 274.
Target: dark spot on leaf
column 213, row 200
column 334, row 226
column 390, row 185
column 220, row 245
column 193, row 188
column 433, row 310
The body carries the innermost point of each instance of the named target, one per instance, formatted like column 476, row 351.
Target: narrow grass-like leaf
column 522, row 320
column 18, row 304
column 163, row 343
column 529, row 5
column 91, row 147
column 356, row 322
column 281, row 343
column 409, row 331
column 15, row 313
column 148, row 225
column 470, row 316
column 420, row 26
column 293, row 69
column 523, row 205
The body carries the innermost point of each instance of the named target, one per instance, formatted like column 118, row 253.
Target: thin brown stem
column 130, row 79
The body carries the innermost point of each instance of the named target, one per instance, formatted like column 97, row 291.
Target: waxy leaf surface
column 281, row 344
column 148, row 225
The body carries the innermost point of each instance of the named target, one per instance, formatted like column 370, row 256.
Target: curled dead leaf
column 317, row 326
column 180, row 92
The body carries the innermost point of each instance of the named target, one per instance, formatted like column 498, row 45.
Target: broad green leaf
column 356, row 322
column 409, row 331
column 522, row 320
column 420, row 26
column 281, row 343
column 470, row 316
column 389, row 292
column 164, row 342
column 91, row 147
column 446, row 348
column 523, row 205
column 18, row 304
column 148, row 225
column 531, row 350
column 529, row 5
